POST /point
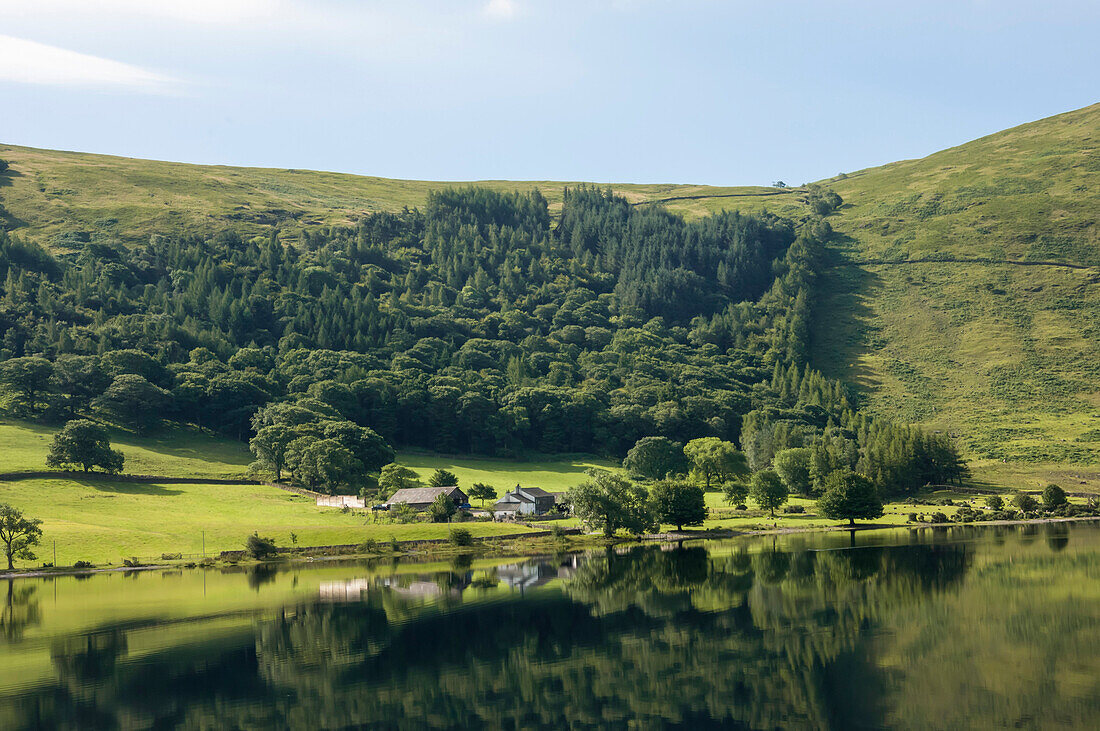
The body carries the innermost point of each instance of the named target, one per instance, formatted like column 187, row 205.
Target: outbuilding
column 525, row 501
column 420, row 498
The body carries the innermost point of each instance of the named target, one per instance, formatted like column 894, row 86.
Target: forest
column 480, row 324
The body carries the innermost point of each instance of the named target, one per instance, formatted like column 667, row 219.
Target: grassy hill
column 964, row 291
column 928, row 317
column 53, row 196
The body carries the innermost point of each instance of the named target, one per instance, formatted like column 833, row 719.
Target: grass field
column 171, row 452
column 103, row 521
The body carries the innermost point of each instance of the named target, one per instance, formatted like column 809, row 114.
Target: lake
column 947, row 628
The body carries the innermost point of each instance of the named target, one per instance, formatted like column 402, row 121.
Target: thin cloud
column 503, row 9
column 191, row 11
column 29, row 62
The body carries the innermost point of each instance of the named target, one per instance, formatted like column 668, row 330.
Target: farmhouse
column 525, row 501
column 419, row 498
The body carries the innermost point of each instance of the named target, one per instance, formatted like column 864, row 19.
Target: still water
column 959, row 628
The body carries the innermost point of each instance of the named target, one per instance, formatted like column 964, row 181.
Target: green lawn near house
column 101, row 521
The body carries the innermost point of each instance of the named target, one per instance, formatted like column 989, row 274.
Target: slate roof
column 414, row 495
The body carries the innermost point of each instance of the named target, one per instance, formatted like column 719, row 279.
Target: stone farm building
column 419, row 498
column 525, row 501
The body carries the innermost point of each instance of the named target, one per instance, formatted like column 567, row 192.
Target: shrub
column 369, row 546
column 794, row 509
column 47, row 565
column 171, row 556
column 259, row 547
column 394, row 545
column 939, row 518
column 132, row 562
column 461, row 537
column 83, row 565
column 995, row 502
column 557, row 531
column 740, row 506
column 403, row 513
column 912, row 518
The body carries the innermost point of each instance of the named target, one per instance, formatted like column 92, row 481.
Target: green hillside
column 963, row 290
column 53, row 196
column 927, row 317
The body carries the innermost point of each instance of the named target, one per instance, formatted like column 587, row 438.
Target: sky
column 685, row 91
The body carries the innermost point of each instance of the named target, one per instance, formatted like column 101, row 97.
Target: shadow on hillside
column 185, row 443
column 129, row 488
column 7, row 220
column 843, row 329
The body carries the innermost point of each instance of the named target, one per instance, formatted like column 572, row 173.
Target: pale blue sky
column 698, row 91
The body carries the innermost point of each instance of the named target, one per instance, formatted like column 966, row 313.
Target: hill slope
column 1005, row 354
column 53, row 196
column 945, row 302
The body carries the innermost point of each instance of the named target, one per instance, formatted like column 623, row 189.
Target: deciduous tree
column 84, row 444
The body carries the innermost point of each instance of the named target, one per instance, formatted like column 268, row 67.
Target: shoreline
column 514, row 546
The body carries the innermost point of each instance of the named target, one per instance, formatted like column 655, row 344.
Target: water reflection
column 725, row 634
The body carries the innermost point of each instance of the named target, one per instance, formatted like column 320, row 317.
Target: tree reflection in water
column 655, row 636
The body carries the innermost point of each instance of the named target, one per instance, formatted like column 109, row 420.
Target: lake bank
column 516, row 545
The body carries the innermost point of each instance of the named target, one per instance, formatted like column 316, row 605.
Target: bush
column 995, row 502
column 369, row 546
column 939, row 518
column 794, row 509
column 394, row 545
column 171, row 556
column 461, row 537
column 740, row 506
column 912, row 518
column 132, row 562
column 83, row 565
column 557, row 531
column 259, row 547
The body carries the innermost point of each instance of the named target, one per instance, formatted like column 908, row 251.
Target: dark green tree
column 767, row 490
column 442, row 508
column 735, row 491
column 655, row 458
column 481, row 491
column 133, row 402
column 84, row 444
column 678, row 502
column 27, row 380
column 849, row 495
column 443, row 478
column 1025, row 503
column 19, row 534
column 1054, row 497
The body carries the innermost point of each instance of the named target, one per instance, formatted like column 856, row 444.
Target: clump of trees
column 84, row 444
